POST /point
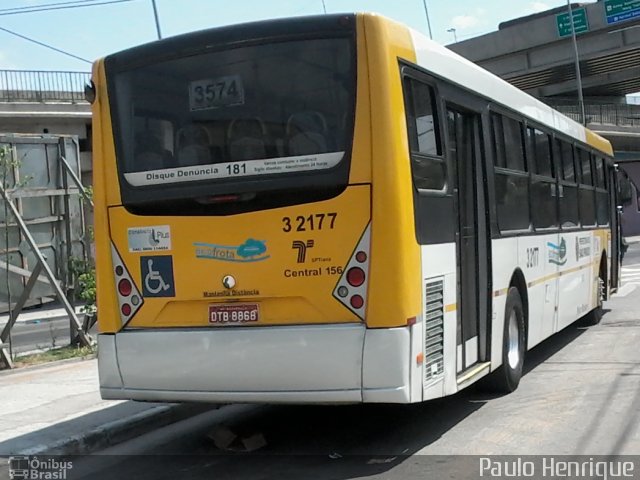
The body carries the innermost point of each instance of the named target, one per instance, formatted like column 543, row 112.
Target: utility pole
column 155, row 14
column 426, row 13
column 583, row 116
column 324, row 7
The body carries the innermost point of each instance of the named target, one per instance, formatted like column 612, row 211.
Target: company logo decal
column 34, row 467
column 157, row 276
column 583, row 247
column 149, row 239
column 249, row 251
column 302, row 249
column 557, row 253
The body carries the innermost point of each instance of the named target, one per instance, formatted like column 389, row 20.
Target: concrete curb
column 46, row 365
column 119, row 431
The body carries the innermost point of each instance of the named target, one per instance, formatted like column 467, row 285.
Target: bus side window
column 568, row 197
column 511, row 177
column 543, row 185
column 586, row 195
column 433, row 201
column 602, row 197
column 427, row 163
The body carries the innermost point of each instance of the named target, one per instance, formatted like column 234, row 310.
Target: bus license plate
column 234, row 313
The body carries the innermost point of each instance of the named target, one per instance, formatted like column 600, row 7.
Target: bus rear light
column 412, row 321
column 129, row 298
column 355, row 276
column 357, row 302
column 218, row 199
column 351, row 289
column 124, row 287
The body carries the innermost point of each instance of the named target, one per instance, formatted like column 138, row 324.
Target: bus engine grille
column 434, row 330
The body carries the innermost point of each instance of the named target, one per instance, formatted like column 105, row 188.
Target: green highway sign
column 621, row 10
column 580, row 22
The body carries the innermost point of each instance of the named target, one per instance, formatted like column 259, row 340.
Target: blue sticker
column 250, row 251
column 157, row 276
column 557, row 253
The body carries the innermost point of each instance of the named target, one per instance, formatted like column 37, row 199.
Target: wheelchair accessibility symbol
column 157, row 276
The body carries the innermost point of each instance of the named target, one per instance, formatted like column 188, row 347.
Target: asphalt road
column 39, row 334
column 580, row 396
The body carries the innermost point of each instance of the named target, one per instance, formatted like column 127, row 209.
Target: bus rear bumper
column 297, row 364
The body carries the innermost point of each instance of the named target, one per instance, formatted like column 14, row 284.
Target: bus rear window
column 257, row 111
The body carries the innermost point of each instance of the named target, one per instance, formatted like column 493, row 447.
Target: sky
column 93, row 32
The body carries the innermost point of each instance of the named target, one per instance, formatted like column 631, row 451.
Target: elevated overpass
column 535, row 53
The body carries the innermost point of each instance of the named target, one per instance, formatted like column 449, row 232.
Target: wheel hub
column 513, row 351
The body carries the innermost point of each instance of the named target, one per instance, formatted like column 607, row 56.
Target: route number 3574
column 216, row 92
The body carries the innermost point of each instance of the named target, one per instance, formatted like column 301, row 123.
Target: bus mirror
column 625, row 190
column 90, row 92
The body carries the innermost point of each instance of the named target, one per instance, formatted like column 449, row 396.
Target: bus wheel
column 507, row 377
column 595, row 315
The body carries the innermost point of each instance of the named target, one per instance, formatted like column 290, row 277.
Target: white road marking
column 625, row 290
column 630, row 280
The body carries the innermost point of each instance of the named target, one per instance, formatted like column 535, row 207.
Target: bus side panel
column 505, row 251
column 394, row 288
column 575, row 283
column 439, row 264
column 105, row 193
column 541, row 274
column 601, row 243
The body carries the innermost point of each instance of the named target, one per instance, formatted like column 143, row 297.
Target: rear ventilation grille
column 434, row 330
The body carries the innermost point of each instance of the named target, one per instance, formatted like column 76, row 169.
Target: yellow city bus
column 334, row 209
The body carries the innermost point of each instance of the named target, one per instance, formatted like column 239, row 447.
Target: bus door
column 466, row 156
column 616, row 237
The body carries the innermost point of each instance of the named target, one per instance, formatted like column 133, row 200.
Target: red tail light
column 357, row 301
column 351, row 289
column 124, row 287
column 355, row 276
column 129, row 298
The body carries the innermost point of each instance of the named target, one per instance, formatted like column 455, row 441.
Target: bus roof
column 431, row 56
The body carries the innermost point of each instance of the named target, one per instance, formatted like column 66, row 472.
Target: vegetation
column 85, row 275
column 52, row 355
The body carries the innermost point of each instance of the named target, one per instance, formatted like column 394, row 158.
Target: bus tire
column 595, row 315
column 506, row 378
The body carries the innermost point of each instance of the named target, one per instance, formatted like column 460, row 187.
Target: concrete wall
column 53, row 119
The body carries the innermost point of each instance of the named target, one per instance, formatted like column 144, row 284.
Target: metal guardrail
column 623, row 115
column 42, row 86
